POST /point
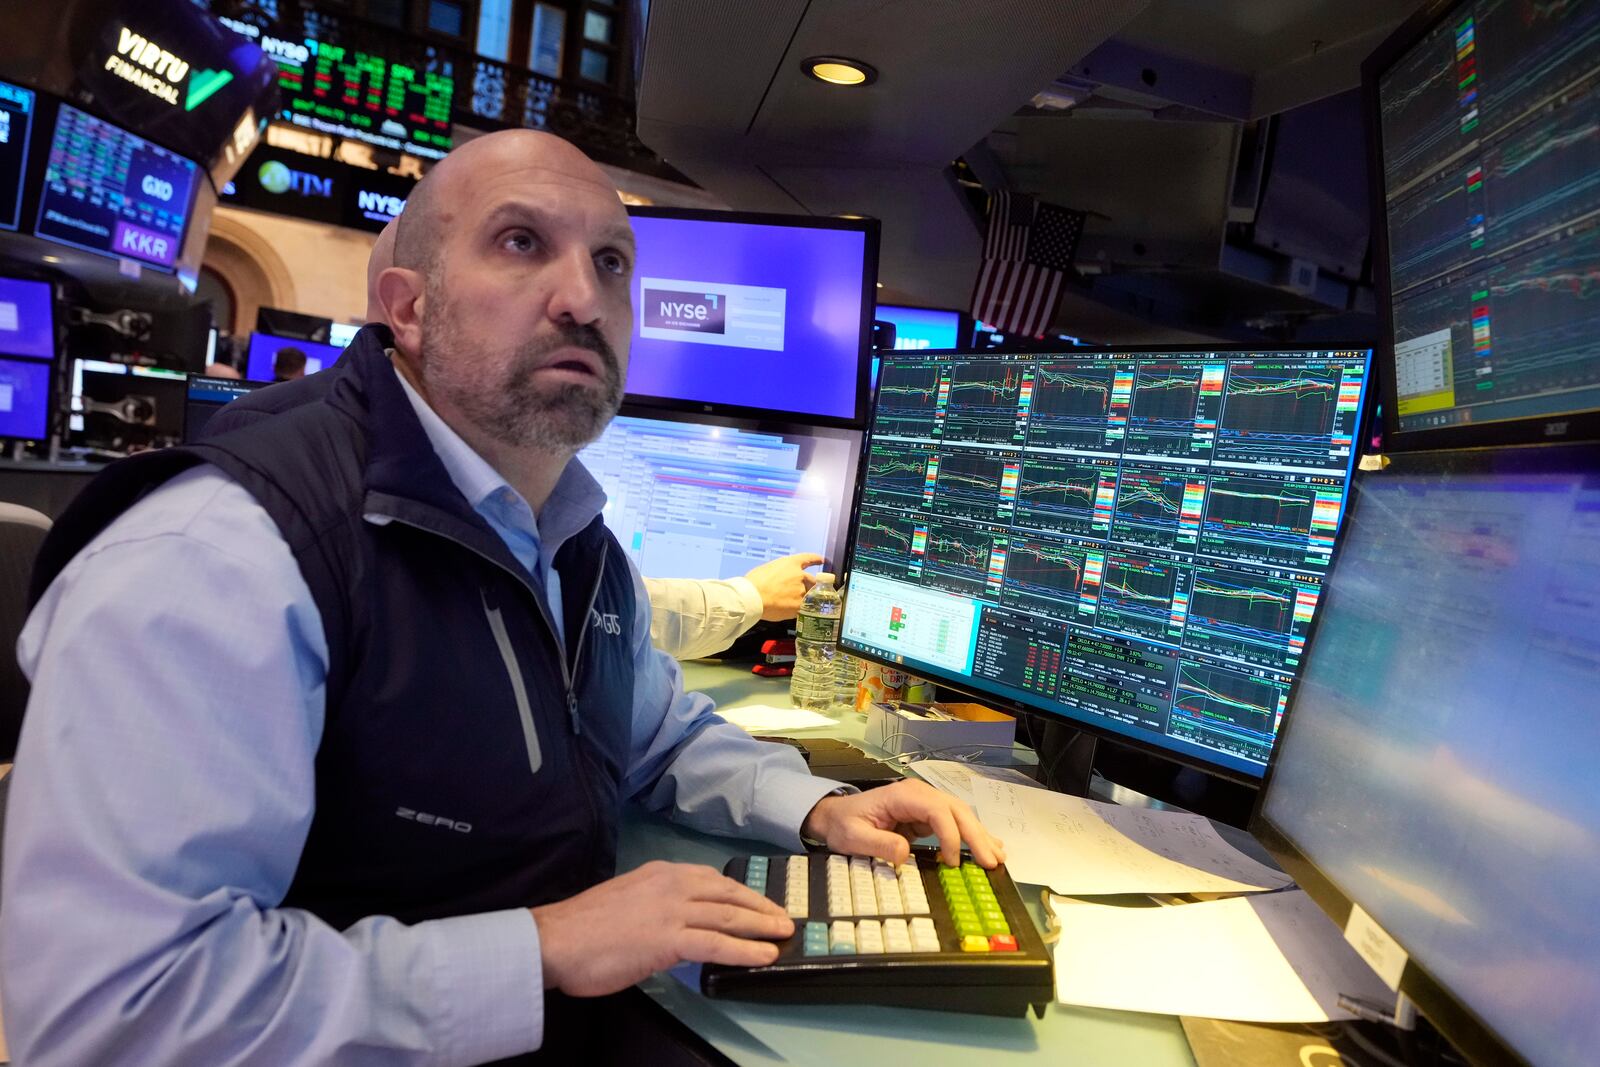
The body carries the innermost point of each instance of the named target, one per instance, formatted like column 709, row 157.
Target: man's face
column 527, row 312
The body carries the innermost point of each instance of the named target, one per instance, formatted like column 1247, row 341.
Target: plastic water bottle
column 816, row 644
column 846, row 672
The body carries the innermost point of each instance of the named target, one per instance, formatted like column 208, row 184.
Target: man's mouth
column 577, row 362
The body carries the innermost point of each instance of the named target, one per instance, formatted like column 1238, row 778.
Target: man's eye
column 612, row 263
column 518, row 241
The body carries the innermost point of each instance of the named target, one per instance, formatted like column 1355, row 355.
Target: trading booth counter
column 839, row 1035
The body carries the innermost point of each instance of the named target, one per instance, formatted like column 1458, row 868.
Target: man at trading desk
column 332, row 715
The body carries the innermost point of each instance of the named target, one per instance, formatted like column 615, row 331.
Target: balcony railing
column 488, row 94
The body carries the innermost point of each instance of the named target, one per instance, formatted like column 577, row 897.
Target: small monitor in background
column 922, row 327
column 17, row 106
column 752, row 314
column 24, row 399
column 697, row 499
column 126, row 411
column 340, row 334
column 206, row 397
column 27, row 319
column 264, row 348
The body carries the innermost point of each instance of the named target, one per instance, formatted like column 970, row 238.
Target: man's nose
column 576, row 293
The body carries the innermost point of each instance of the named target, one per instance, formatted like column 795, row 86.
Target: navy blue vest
column 431, row 798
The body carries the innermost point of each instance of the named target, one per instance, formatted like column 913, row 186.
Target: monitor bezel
column 15, row 226
column 1575, row 426
column 1453, row 1019
column 1020, row 707
column 200, row 174
column 870, row 231
column 52, row 381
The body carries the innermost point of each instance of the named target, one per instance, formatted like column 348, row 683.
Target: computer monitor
column 264, row 351
column 1434, row 788
column 111, row 192
column 1483, row 118
column 27, row 318
column 126, row 408
column 206, row 397
column 17, row 106
column 1131, row 541
column 340, row 334
column 753, row 315
column 712, row 497
column 924, row 327
column 24, row 399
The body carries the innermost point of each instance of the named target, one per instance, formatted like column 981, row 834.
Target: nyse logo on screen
column 377, row 206
column 667, row 309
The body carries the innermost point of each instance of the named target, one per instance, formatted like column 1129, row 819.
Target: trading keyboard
column 922, row 935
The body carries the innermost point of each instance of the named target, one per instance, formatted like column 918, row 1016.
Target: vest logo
column 665, row 309
column 434, row 820
column 278, row 178
column 608, row 622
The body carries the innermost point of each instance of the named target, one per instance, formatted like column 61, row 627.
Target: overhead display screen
column 108, row 191
column 16, row 120
column 922, row 327
column 366, row 97
column 1490, row 131
column 730, row 311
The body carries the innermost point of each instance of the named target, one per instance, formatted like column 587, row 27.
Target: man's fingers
column 709, row 946
column 977, row 838
column 861, row 838
column 808, row 559
column 943, row 826
column 715, row 888
column 737, row 921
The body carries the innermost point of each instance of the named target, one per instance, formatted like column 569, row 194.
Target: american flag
column 1025, row 259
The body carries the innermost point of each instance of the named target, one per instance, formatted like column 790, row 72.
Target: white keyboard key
column 896, row 935
column 841, row 933
column 888, row 888
column 924, row 936
column 869, row 937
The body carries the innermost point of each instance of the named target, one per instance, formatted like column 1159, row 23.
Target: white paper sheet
column 1271, row 958
column 1087, row 848
column 766, row 718
column 955, row 777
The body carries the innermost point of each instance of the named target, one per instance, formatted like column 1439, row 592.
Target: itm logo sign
column 277, row 178
column 666, row 309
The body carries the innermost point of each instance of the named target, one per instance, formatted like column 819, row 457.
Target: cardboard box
column 966, row 731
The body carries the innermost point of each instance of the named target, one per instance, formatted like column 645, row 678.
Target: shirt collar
column 574, row 502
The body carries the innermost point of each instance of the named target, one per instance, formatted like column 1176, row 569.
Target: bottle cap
column 824, row 576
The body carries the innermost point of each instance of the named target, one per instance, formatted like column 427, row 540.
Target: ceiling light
column 837, row 70
column 52, row 259
column 880, row 285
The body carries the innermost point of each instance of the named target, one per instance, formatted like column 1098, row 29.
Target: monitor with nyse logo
column 753, row 315
column 1132, row 541
column 109, row 191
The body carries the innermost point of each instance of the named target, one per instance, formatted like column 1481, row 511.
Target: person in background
column 288, row 364
column 222, row 370
column 689, row 617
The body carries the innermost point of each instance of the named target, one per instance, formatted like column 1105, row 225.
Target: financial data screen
column 110, row 192
column 758, row 316
column 1437, row 766
column 16, row 122
column 709, row 501
column 1490, row 130
column 1134, row 541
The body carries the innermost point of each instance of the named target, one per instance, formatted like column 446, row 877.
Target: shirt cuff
column 490, row 984
column 781, row 811
column 749, row 599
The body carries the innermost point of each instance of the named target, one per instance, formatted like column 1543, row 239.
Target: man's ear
column 400, row 291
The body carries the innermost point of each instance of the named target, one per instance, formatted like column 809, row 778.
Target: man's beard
column 516, row 410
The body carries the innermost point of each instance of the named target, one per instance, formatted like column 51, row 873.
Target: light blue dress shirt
column 164, row 786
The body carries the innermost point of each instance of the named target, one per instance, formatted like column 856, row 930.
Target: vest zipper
column 584, row 626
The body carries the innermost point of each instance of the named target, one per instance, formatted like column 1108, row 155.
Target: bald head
column 470, row 172
column 381, row 259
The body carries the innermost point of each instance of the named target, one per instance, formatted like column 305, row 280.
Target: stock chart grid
column 1490, row 130
column 1136, row 540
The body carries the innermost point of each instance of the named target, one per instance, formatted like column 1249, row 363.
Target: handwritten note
column 956, row 778
column 1086, row 848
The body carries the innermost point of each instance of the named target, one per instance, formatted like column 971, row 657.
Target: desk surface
column 765, row 1034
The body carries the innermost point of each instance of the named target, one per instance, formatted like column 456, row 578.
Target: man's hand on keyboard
column 624, row 930
column 881, row 822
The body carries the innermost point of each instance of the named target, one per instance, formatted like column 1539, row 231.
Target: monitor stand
column 1066, row 757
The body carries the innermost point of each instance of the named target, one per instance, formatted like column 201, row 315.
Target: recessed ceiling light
column 837, row 70
column 880, row 285
column 52, row 259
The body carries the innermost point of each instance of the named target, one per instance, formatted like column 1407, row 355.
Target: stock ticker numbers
column 1141, row 536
